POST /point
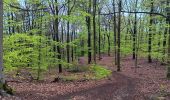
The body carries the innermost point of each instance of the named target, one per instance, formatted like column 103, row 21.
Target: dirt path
column 120, row 87
column 147, row 83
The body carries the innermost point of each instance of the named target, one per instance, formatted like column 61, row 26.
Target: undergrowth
column 100, row 72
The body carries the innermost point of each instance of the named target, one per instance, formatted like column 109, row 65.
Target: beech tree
column 4, row 88
column 118, row 36
column 168, row 24
column 69, row 29
column 2, row 78
column 88, row 22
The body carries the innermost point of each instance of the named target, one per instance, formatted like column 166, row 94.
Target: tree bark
column 119, row 32
column 57, row 39
column 150, row 34
column 68, row 34
column 115, row 32
column 168, row 19
column 94, row 30
column 88, row 21
column 99, row 36
column 4, row 88
column 2, row 79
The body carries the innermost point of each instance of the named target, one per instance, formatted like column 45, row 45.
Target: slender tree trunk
column 150, row 34
column 94, row 30
column 88, row 21
column 135, row 38
column 62, row 40
column 13, row 28
column 2, row 79
column 135, row 33
column 68, row 34
column 108, row 39
column 166, row 31
column 99, row 36
column 57, row 39
column 72, row 48
column 75, row 48
column 168, row 19
column 119, row 32
column 9, row 27
column 4, row 88
column 115, row 32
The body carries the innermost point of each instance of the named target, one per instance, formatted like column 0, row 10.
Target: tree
column 118, row 37
column 150, row 34
column 135, row 32
column 56, row 31
column 115, row 32
column 88, row 23
column 99, row 23
column 2, row 79
column 4, row 88
column 94, row 30
column 168, row 22
column 68, row 33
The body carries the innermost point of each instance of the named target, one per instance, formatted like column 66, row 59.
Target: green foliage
column 28, row 51
column 100, row 72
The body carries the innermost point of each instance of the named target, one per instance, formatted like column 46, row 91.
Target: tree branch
column 154, row 13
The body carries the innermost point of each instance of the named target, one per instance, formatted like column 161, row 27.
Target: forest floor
column 147, row 83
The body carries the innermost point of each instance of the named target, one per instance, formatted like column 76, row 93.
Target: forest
column 84, row 49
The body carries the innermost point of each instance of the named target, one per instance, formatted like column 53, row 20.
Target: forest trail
column 146, row 84
column 119, row 87
column 122, row 89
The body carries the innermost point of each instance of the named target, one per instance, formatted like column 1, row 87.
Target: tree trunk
column 4, row 88
column 2, row 80
column 68, row 34
column 72, row 48
column 94, row 30
column 57, row 39
column 88, row 21
column 150, row 34
column 115, row 32
column 135, row 39
column 119, row 32
column 166, row 31
column 135, row 33
column 99, row 35
column 168, row 19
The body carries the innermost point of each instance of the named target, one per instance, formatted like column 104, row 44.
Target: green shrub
column 28, row 51
column 100, row 72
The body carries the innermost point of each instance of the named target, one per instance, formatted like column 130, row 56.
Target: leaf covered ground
column 148, row 82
